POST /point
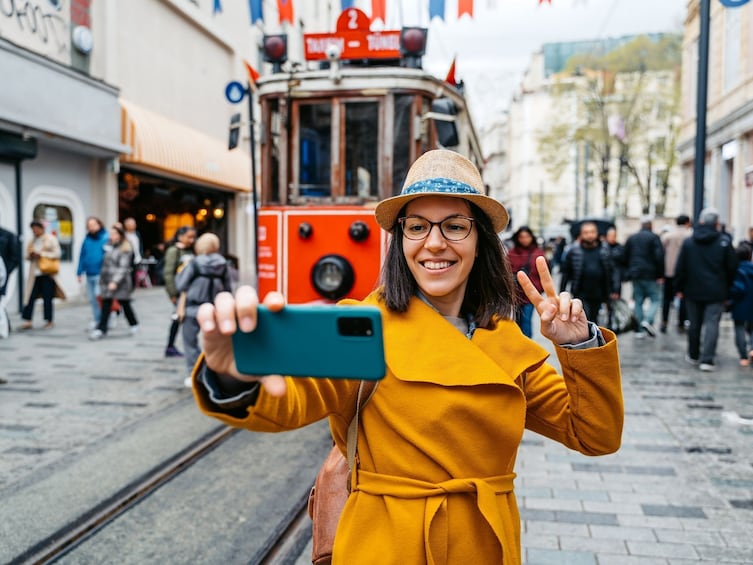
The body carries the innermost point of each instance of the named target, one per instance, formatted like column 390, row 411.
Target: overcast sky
column 494, row 47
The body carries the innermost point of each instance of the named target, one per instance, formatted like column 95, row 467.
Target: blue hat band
column 441, row 185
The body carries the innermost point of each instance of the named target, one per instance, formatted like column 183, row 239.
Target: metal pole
column 702, row 93
column 252, row 144
column 20, row 232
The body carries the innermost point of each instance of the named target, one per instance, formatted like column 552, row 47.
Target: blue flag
column 345, row 4
column 217, row 6
column 436, row 8
column 256, row 12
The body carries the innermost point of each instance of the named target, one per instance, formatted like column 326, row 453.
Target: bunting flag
column 436, row 8
column 285, row 7
column 217, row 7
column 253, row 74
column 378, row 10
column 465, row 7
column 345, row 4
column 254, row 7
column 451, row 74
column 547, row 1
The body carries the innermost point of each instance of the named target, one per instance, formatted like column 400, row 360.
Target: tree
column 620, row 108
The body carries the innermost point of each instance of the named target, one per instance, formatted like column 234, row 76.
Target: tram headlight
column 305, row 230
column 332, row 276
column 358, row 231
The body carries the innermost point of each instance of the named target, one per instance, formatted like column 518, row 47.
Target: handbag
column 115, row 307
column 332, row 486
column 620, row 317
column 48, row 265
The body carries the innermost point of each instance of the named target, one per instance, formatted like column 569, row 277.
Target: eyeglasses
column 453, row 228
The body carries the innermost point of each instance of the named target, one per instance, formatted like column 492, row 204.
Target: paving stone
column 551, row 557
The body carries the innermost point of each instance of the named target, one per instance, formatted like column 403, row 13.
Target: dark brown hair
column 490, row 293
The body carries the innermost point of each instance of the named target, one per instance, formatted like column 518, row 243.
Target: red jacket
column 524, row 259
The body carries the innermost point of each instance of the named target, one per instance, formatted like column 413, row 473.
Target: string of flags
column 437, row 9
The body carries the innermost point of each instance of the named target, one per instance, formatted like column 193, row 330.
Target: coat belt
column 498, row 516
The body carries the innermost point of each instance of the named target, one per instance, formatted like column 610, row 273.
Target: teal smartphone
column 314, row 341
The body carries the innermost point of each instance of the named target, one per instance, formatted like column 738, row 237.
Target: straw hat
column 444, row 173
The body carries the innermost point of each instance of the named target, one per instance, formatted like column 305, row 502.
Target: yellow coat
column 438, row 439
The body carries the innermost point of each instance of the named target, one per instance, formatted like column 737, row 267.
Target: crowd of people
column 108, row 262
column 695, row 272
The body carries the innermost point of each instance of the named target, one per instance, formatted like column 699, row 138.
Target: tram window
column 275, row 121
column 402, row 141
column 315, row 122
column 361, row 149
column 57, row 220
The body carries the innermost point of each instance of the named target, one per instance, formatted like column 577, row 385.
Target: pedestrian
column 116, row 283
column 41, row 282
column 522, row 257
column 90, row 264
column 10, row 254
column 588, row 271
column 438, row 438
column 672, row 242
column 11, row 258
column 201, row 279
column 742, row 304
column 704, row 273
column 617, row 254
column 134, row 238
column 179, row 250
column 644, row 261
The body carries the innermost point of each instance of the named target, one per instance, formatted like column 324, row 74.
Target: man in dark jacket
column 9, row 251
column 644, row 260
column 587, row 268
column 705, row 270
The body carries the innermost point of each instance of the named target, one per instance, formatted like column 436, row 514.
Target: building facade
column 728, row 171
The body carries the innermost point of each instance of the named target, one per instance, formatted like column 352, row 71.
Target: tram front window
column 314, row 152
column 361, row 149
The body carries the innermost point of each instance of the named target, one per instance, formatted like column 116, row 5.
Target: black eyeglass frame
column 401, row 222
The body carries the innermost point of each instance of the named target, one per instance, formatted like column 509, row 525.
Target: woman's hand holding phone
column 218, row 324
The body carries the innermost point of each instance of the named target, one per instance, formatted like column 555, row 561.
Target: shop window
column 57, row 220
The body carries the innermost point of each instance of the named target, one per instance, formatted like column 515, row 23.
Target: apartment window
column 732, row 50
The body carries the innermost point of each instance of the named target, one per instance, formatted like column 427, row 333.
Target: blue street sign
column 733, row 3
column 234, row 92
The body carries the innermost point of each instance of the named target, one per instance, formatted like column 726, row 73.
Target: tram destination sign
column 352, row 40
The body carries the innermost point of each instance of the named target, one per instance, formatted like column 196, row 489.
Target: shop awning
column 164, row 145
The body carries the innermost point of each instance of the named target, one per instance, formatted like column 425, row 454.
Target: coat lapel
column 421, row 346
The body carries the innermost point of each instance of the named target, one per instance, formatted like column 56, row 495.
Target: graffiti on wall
column 42, row 26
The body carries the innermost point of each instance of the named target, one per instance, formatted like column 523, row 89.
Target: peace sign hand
column 563, row 319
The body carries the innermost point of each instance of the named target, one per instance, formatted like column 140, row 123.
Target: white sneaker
column 96, row 335
column 135, row 329
column 690, row 360
column 650, row 330
column 706, row 367
column 187, row 382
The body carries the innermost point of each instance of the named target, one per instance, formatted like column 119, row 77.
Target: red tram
column 336, row 140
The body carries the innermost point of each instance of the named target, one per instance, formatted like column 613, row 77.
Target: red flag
column 378, row 10
column 542, row 1
column 465, row 7
column 285, row 7
column 451, row 74
column 253, row 74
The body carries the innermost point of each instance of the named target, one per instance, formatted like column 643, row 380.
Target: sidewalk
column 680, row 490
column 64, row 392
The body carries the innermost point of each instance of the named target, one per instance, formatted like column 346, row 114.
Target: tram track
column 69, row 536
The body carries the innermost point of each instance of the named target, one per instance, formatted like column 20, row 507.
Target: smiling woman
column 454, row 356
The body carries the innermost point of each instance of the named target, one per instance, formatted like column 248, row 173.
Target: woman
column 205, row 276
column 438, row 438
column 523, row 258
column 115, row 282
column 39, row 284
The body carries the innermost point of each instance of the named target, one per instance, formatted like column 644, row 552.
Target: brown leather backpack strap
column 366, row 390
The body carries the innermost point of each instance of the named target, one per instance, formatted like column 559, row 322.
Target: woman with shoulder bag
column 437, row 440
column 43, row 253
column 523, row 258
column 116, row 282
